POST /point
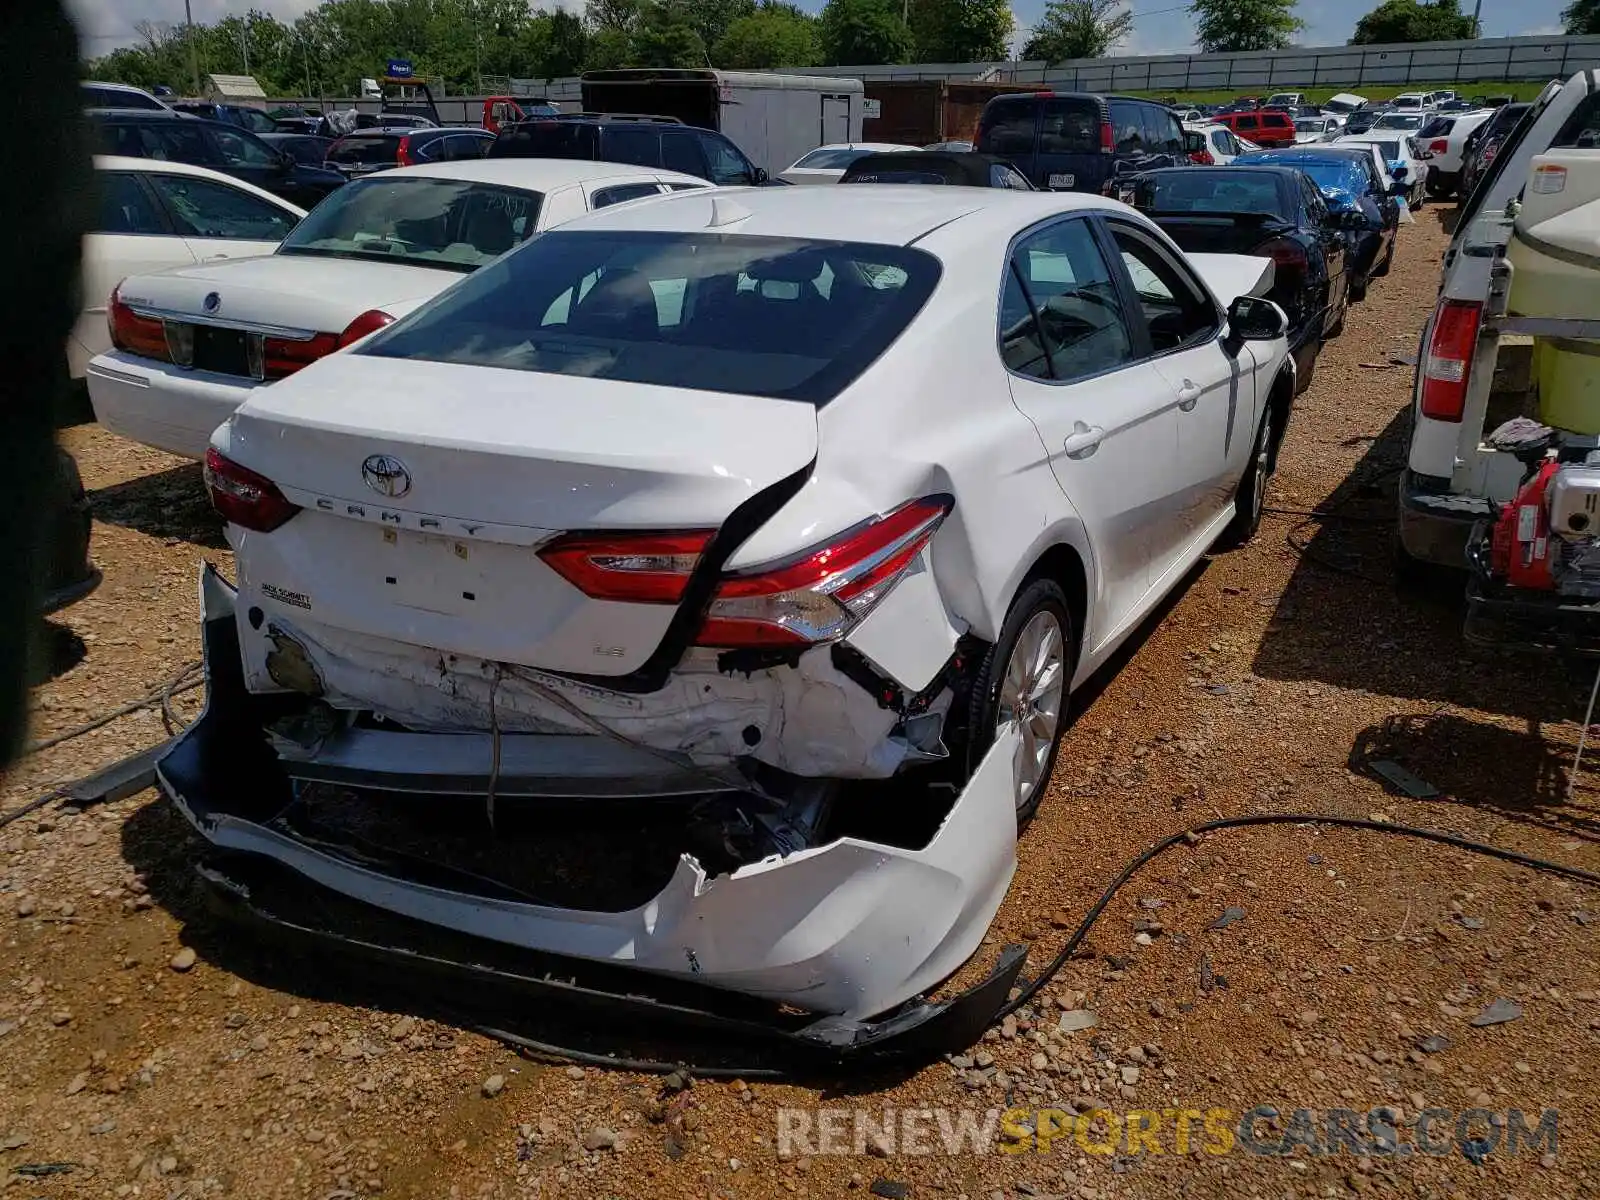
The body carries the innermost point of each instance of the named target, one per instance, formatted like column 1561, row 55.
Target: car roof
column 141, row 114
column 121, row 87
column 541, row 174
column 875, row 147
column 414, row 131
column 892, row 214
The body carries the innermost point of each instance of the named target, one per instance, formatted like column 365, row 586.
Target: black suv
column 1080, row 142
column 661, row 142
column 225, row 148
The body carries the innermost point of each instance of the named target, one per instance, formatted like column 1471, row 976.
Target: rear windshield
column 365, row 148
column 446, row 223
column 901, row 175
column 1192, row 191
column 831, row 158
column 1314, row 125
column 95, row 96
column 1389, row 150
column 1408, row 102
column 788, row 318
column 1007, row 126
column 1437, row 127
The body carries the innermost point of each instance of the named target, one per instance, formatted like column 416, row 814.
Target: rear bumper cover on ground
column 851, row 932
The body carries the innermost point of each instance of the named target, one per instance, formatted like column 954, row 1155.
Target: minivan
column 1080, row 142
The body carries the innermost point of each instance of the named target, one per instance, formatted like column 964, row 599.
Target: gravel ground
column 149, row 1053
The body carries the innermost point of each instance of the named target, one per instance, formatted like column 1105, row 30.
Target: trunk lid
column 494, row 462
column 294, row 291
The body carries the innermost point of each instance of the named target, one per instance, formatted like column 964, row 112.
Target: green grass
column 1517, row 91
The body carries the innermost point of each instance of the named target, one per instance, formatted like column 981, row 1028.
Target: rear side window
column 104, row 97
column 207, row 209
column 1008, row 125
column 546, row 139
column 639, row 146
column 172, row 141
column 788, row 318
column 1069, row 125
column 606, row 197
column 680, row 151
column 1437, row 127
column 1273, row 120
column 1127, row 127
column 1245, row 121
column 125, row 207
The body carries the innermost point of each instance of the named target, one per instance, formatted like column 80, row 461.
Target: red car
column 1268, row 128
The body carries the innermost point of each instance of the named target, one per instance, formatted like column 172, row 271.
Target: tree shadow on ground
column 169, row 504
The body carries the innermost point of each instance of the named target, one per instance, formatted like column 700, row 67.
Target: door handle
column 215, row 257
column 1188, row 395
column 1084, row 440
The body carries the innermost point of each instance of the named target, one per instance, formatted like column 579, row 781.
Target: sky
column 1160, row 26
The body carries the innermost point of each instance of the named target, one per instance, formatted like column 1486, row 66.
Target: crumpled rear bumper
column 852, row 932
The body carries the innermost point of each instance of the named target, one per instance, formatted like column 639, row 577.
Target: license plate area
column 435, row 573
column 1061, row 180
column 224, row 351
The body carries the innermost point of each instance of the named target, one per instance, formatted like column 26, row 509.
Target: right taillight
column 1203, row 157
column 827, row 591
column 370, row 321
column 144, row 336
column 1447, row 365
column 1438, row 146
column 1108, row 141
column 244, row 497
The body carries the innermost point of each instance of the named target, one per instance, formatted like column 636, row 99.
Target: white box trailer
column 774, row 119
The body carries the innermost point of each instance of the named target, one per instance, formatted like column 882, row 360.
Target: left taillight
column 1447, row 366
column 281, row 357
column 243, row 497
column 827, row 591
column 1438, row 146
column 136, row 334
column 635, row 568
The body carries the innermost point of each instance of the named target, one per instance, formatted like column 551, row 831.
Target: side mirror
column 761, row 176
column 1252, row 319
column 1193, row 143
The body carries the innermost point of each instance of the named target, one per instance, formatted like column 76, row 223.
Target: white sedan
column 749, row 493
column 193, row 344
column 1221, row 143
column 826, row 164
column 156, row 214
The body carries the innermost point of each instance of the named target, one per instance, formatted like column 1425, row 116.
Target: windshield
column 1399, row 121
column 1200, row 191
column 446, row 223
column 831, row 158
column 1310, row 126
column 787, row 318
column 365, row 148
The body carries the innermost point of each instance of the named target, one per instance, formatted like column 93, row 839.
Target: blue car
column 1348, row 179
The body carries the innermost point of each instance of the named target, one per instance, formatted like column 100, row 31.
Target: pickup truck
column 1475, row 362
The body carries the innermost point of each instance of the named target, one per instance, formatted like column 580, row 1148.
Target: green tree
column 1582, row 16
column 1408, row 21
column 1078, row 29
column 860, row 33
column 775, row 36
column 1226, row 25
column 961, row 30
column 666, row 37
column 712, row 18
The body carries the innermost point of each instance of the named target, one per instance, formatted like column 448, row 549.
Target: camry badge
column 386, row 475
column 212, row 302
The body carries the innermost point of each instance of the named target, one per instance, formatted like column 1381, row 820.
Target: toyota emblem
column 386, row 475
column 212, row 302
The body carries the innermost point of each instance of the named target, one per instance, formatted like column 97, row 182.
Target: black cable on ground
column 162, row 694
column 1432, row 835
column 552, row 1052
column 33, row 805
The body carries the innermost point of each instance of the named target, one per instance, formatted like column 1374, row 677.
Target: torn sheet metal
column 808, row 719
column 852, row 928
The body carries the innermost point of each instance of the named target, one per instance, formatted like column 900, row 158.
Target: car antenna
column 726, row 212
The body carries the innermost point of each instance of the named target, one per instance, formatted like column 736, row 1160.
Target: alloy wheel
column 1030, row 700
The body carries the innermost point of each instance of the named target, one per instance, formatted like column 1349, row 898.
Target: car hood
column 294, row 291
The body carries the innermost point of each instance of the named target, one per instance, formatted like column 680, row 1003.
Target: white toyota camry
column 192, row 344
column 744, row 493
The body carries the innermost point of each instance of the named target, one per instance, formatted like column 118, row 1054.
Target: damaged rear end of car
column 506, row 659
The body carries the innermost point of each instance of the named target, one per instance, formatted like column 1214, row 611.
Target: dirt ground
column 150, row 1052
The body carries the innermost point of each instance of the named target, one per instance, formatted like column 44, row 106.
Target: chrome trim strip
column 278, row 331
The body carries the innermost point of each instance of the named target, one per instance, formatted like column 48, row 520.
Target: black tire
column 1358, row 289
column 1344, row 310
column 1382, row 268
column 1251, row 497
column 1041, row 598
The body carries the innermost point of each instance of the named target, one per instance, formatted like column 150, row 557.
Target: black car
column 241, row 115
column 938, row 167
column 369, row 150
column 662, row 142
column 1273, row 212
column 1348, row 179
column 1080, row 141
column 224, row 148
column 302, row 147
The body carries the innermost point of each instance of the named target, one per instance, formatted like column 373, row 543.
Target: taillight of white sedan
column 740, row 497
